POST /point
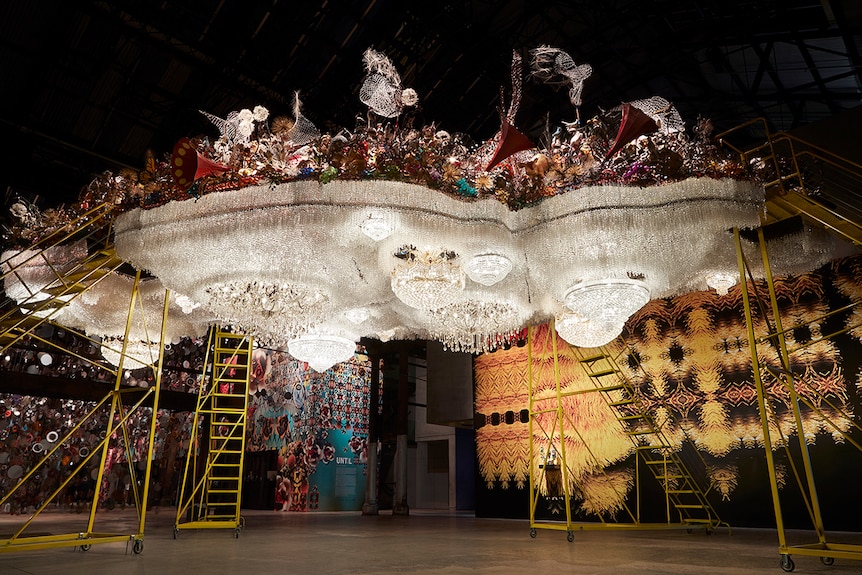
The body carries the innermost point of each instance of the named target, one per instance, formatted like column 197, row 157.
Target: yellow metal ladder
column 685, row 494
column 774, row 348
column 116, row 412
column 65, row 281
column 211, row 490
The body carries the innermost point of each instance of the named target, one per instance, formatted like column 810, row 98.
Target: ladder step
column 602, row 373
column 46, row 305
column 69, row 290
column 641, row 432
column 632, row 417
column 611, row 387
column 593, row 358
column 681, row 491
column 691, row 506
column 91, row 274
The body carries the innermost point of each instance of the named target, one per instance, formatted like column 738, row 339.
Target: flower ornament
column 245, row 116
column 260, row 114
column 409, row 97
column 19, row 210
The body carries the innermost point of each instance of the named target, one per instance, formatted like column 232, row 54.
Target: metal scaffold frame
column 211, row 488
column 803, row 179
column 684, row 495
column 119, row 416
column 822, row 547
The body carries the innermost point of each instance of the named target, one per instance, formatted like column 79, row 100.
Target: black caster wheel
column 787, row 563
column 85, row 547
column 710, row 530
column 138, row 547
column 827, row 560
column 236, row 533
column 533, row 532
column 176, row 532
column 570, row 536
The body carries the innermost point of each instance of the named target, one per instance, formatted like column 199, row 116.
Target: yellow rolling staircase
column 803, row 179
column 93, row 230
column 772, row 356
column 211, row 490
column 825, row 190
column 90, row 260
column 675, row 467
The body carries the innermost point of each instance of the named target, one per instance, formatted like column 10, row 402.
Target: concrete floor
column 424, row 543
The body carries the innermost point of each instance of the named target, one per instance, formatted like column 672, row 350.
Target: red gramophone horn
column 511, row 141
column 634, row 123
column 187, row 165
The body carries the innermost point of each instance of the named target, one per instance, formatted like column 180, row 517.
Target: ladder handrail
column 93, row 219
column 669, row 452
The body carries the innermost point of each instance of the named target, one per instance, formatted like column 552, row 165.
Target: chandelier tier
column 721, row 282
column 607, row 300
column 138, row 353
column 582, row 332
column 475, row 326
column 321, row 351
column 282, row 260
column 426, row 281
column 488, row 269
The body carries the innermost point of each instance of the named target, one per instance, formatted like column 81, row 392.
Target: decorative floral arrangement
column 254, row 149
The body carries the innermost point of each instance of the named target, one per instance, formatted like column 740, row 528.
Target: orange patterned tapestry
column 689, row 359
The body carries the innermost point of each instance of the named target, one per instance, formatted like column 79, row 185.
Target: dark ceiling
column 90, row 86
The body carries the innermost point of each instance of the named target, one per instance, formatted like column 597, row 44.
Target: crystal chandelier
column 582, row 332
column 186, row 303
column 28, row 272
column 488, row 269
column 280, row 260
column 607, row 301
column 376, row 227
column 426, row 280
column 475, row 326
column 321, row 351
column 721, row 282
column 272, row 309
column 138, row 353
column 357, row 315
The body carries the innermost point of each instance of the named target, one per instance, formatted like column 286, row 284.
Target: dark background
column 89, row 86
